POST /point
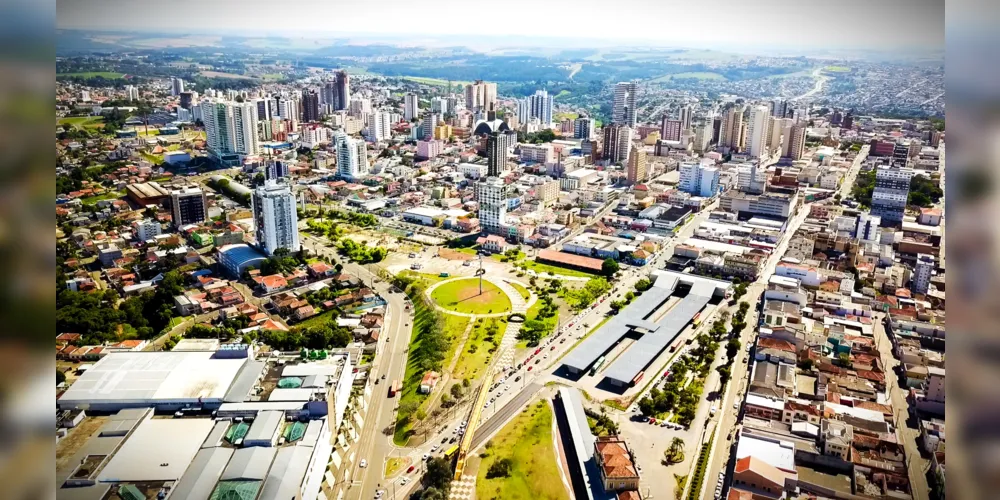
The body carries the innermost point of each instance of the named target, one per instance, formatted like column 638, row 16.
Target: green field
column 318, row 320
column 433, row 81
column 272, row 76
column 700, row 75
column 110, row 195
column 154, row 159
column 110, row 75
column 562, row 93
column 562, row 116
column 463, row 296
column 837, row 69
column 534, row 473
column 543, row 269
column 477, row 355
column 82, row 122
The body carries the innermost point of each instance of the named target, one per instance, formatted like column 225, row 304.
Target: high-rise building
column 523, row 109
column 716, row 128
column 623, row 108
column 360, row 107
column 670, row 129
column 379, row 126
column 751, row 179
column 636, row 172
column 848, row 122
column 779, row 108
column 541, row 107
column 776, row 127
column 698, row 179
column 230, row 127
column 430, row 121
column 797, row 142
column 583, row 128
column 702, row 138
column 729, row 128
column 498, row 148
column 440, row 105
column 867, row 229
column 176, row 86
column 275, row 169
column 892, row 188
column 411, row 106
column 188, row 206
column 617, row 139
column 263, row 110
column 922, row 272
column 343, row 87
column 132, row 92
column 757, row 133
column 480, row 95
column 352, row 162
column 491, row 193
column 310, row 106
column 685, row 117
column 288, row 109
column 275, row 219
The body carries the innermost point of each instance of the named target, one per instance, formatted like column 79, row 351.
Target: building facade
column 623, row 108
column 275, row 218
column 892, row 189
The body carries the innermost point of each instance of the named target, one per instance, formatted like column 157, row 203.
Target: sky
column 795, row 24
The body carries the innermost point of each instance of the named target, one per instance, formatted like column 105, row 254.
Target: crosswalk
column 463, row 489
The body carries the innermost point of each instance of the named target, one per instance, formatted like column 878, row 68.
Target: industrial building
column 645, row 318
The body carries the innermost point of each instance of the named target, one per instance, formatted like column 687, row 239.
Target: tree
column 439, row 474
column 456, row 390
column 430, row 494
column 643, row 285
column 500, row 468
column 609, row 267
column 60, row 377
column 844, row 359
column 724, row 374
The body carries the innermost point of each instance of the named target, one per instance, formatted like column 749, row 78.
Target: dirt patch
column 447, row 253
column 78, row 436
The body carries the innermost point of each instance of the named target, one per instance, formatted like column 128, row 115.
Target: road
column 852, row 175
column 373, row 445
column 820, row 81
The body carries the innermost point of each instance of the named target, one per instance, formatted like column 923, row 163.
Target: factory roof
column 203, row 473
column 159, row 449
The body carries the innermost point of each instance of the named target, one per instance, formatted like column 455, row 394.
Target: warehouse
column 165, row 380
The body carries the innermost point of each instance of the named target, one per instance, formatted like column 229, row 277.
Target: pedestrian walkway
column 463, row 489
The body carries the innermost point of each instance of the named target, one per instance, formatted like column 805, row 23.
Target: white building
column 892, row 188
column 352, row 161
column 539, row 153
column 379, row 126
column 583, row 128
column 492, row 197
column 699, row 179
column 146, row 229
column 230, row 128
column 440, row 105
column 411, row 107
column 275, row 218
column 541, row 107
column 430, row 121
column 472, row 170
column 868, row 229
column 133, row 92
column 623, row 109
column 176, row 86
column 922, row 272
column 751, row 178
column 757, row 131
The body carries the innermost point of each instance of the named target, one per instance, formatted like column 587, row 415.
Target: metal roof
column 265, row 427
column 204, row 471
column 656, row 336
column 249, row 464
column 285, row 478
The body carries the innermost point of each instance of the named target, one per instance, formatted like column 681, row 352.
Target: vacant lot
column 463, row 296
column 534, row 473
column 544, row 270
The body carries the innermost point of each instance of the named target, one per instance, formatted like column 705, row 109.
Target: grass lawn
column 562, row 93
column 154, row 159
column 472, row 362
column 82, row 122
column 561, row 116
column 837, row 69
column 433, row 81
column 520, row 289
column 411, row 401
column 317, row 320
column 110, row 195
column 463, row 296
column 544, row 269
column 110, row 75
column 534, row 472
column 393, row 466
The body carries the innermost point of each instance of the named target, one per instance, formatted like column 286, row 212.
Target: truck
column 394, row 388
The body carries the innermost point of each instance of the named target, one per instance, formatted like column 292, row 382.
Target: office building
column 491, row 194
column 343, row 90
column 892, row 188
column 670, row 130
column 498, row 148
column 379, row 126
column 698, row 179
column 583, row 128
column 275, row 219
column 796, row 142
column 481, row 96
column 757, row 132
column 288, row 109
column 636, row 172
column 623, row 108
column 702, row 138
column 685, row 116
column 411, row 107
column 867, row 229
column 430, row 121
column 729, row 127
column 263, row 110
column 188, row 206
column 360, row 107
column 176, row 86
column 541, row 107
column 352, row 161
column 922, row 273
column 538, row 153
column 310, row 106
column 617, row 139
column 777, row 205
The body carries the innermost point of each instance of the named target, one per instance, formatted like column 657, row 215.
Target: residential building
column 491, row 194
column 429, row 149
column 670, row 130
column 777, row 205
column 498, row 148
column 230, row 129
column 617, row 140
column 796, row 142
column 923, row 270
column 699, row 179
column 146, row 229
column 637, row 172
column 868, row 228
column 541, row 107
column 685, row 115
column 275, row 217
column 440, row 105
column 411, row 107
column 343, row 91
column 133, row 92
column 481, row 96
column 176, row 86
column 623, row 111
column 350, row 164
column 892, row 188
column 379, row 126
column 310, row 106
column 757, row 131
column 428, row 124
column 751, row 178
column 583, row 128
column 729, row 128
column 189, row 206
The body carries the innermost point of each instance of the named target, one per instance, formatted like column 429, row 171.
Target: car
column 378, row 494
column 413, row 255
column 736, row 405
column 538, row 361
column 383, row 376
column 562, row 341
column 403, row 481
column 363, row 464
column 506, row 387
column 467, row 263
column 434, row 448
column 552, row 348
column 411, row 469
column 453, row 439
column 517, row 379
column 444, row 440
column 427, row 456
column 530, row 367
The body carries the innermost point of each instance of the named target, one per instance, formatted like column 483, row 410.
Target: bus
column 451, row 451
column 696, row 320
column 638, row 378
column 394, row 388
column 597, row 366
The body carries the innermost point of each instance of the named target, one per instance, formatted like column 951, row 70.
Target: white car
column 402, row 482
column 434, row 448
column 363, row 464
column 426, row 456
column 378, row 494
